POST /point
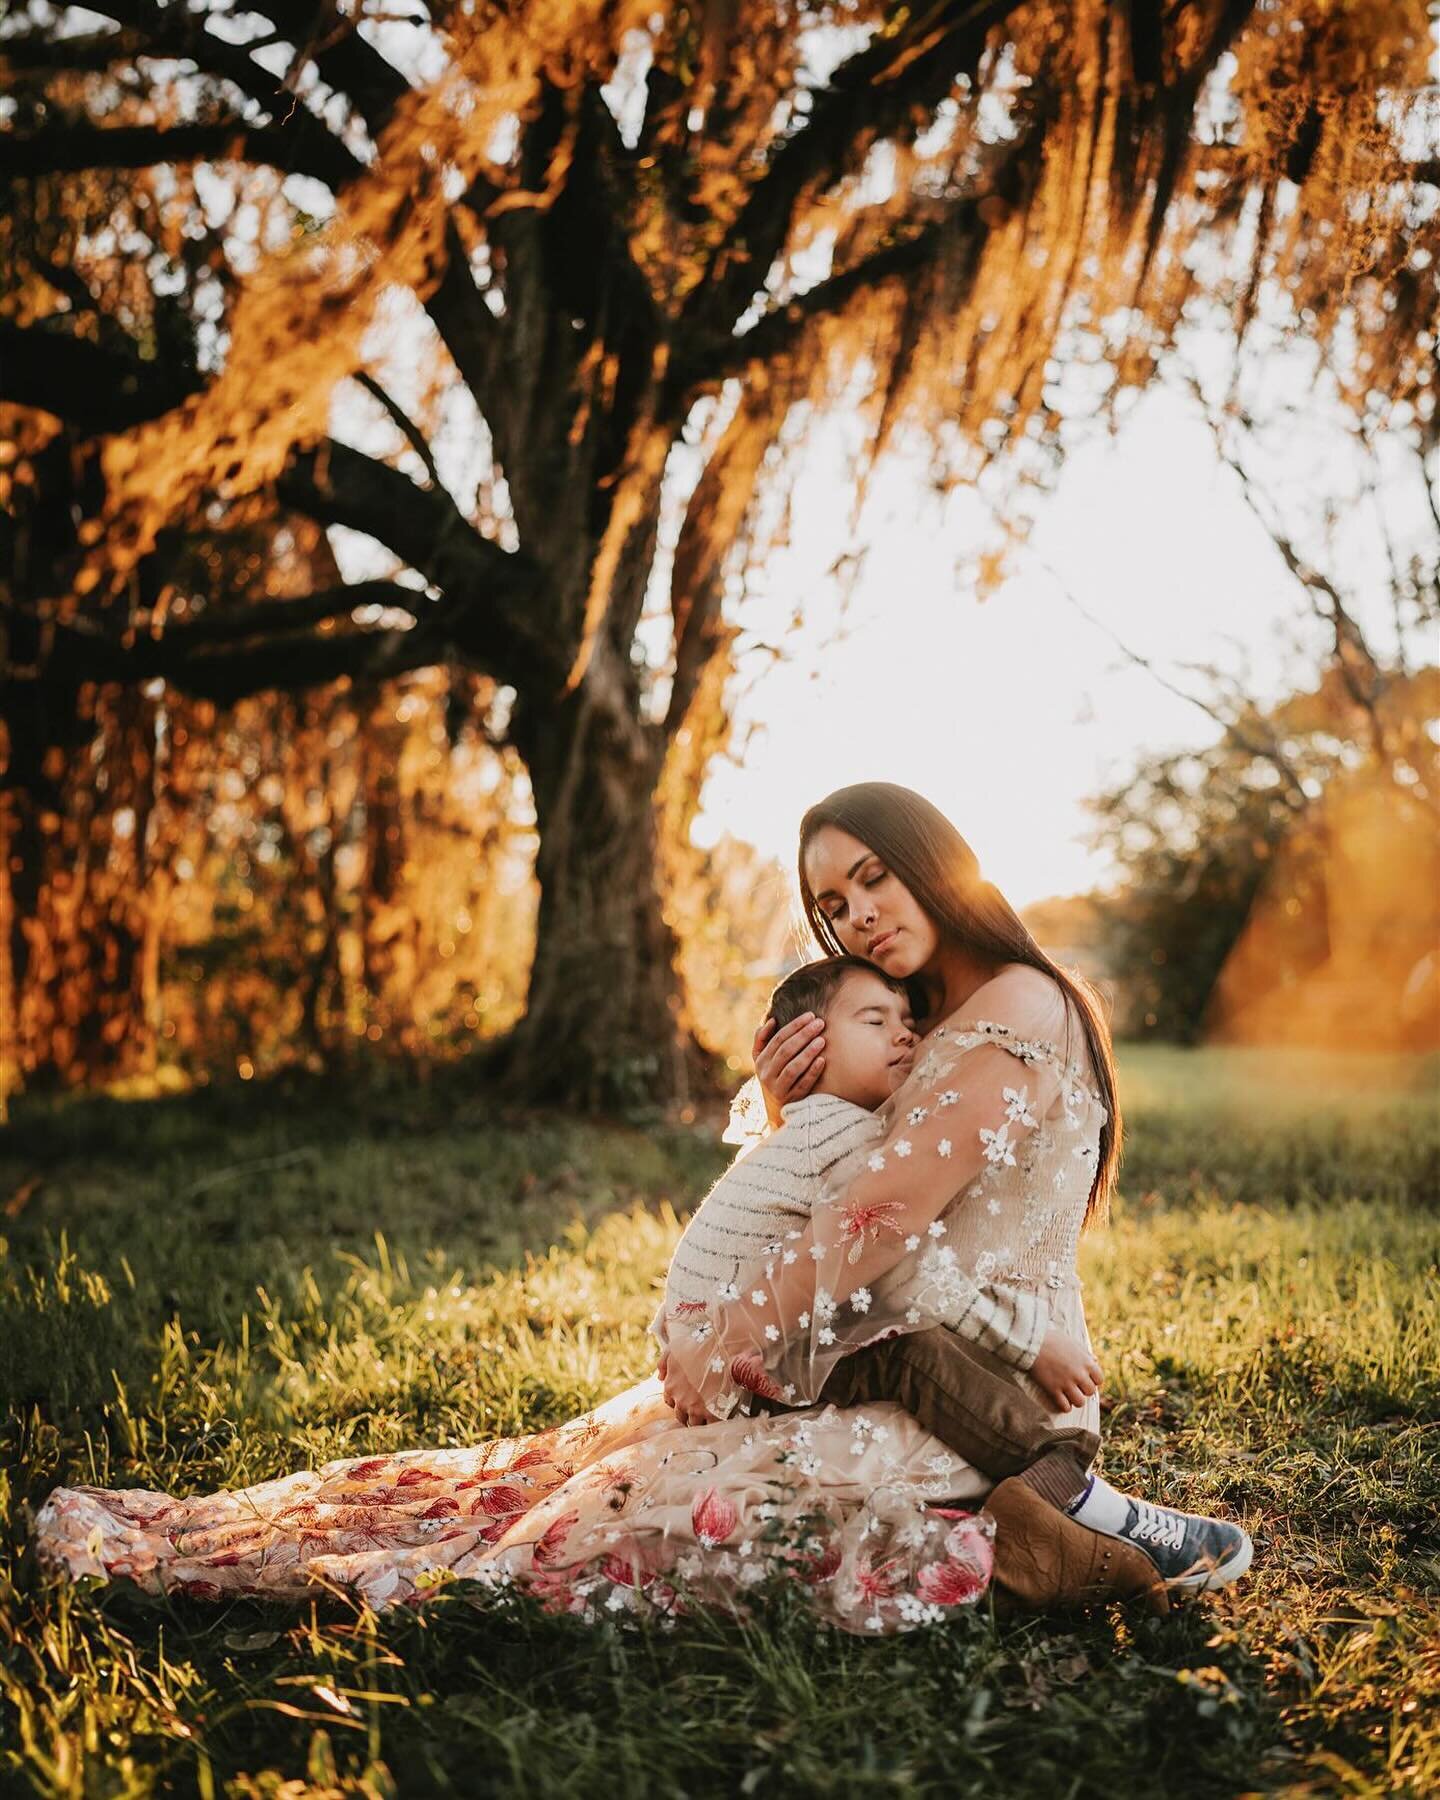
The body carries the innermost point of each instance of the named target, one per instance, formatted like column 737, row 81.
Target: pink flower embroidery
column 713, row 1518
column 864, row 1224
column 949, row 1584
column 749, row 1372
column 623, row 1572
column 815, row 1569
column 878, row 1583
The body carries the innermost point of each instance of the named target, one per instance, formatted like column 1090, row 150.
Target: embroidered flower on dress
column 712, row 1518
column 944, row 1147
column 902, row 1148
column 912, row 1242
column 917, row 1115
column 860, row 1300
column 948, row 1098
column 876, row 1161
column 998, row 1149
column 1017, row 1106
column 863, row 1224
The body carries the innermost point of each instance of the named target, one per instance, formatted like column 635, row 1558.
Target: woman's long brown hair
column 922, row 849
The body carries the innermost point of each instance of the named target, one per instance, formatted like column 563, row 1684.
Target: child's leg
column 969, row 1398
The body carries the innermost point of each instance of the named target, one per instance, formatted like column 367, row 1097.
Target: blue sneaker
column 1193, row 1554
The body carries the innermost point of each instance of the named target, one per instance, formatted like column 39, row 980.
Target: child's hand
column 1066, row 1370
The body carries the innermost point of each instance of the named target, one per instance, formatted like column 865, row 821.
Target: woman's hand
column 788, row 1062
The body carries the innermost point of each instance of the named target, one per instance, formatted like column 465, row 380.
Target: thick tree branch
column 778, row 330
column 492, row 598
column 88, row 385
column 874, row 93
column 253, row 619
column 43, row 53
column 71, row 145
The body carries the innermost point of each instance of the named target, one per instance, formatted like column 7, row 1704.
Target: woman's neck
column 954, row 974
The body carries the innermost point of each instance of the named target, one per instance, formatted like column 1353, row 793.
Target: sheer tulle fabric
column 983, row 1176
column 618, row 1513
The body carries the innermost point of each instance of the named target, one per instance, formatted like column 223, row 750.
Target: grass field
column 204, row 1291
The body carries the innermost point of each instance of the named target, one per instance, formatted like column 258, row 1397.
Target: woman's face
column 870, row 910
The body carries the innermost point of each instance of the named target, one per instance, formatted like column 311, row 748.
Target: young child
column 870, row 1044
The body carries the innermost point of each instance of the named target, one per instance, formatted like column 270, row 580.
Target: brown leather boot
column 1045, row 1562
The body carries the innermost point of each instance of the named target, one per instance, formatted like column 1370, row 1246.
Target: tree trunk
column 605, row 1027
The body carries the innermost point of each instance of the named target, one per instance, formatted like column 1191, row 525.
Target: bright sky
column 1010, row 713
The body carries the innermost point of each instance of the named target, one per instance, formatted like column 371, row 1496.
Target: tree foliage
column 615, row 251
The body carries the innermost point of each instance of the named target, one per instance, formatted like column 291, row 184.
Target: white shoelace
column 1155, row 1525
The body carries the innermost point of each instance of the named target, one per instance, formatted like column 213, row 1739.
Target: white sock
column 1101, row 1508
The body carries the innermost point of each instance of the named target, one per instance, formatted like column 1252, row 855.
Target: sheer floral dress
column 984, row 1170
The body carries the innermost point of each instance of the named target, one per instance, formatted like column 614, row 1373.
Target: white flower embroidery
column 817, row 1253
column 1017, row 1106
column 998, row 1149
column 758, row 1297
column 788, row 1390
column 772, row 1334
column 860, row 1300
column 826, row 1336
column 788, row 1258
column 804, row 1321
column 877, row 1161
column 912, row 1242
column 727, row 1290
column 917, row 1115
column 948, row 1098
column 992, row 1206
column 912, row 1315
column 936, row 1228
column 944, row 1147
column 902, row 1148
column 717, row 1365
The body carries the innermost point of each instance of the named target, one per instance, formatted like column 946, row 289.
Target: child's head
column 869, row 1025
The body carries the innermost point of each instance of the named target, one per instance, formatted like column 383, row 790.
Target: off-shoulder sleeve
column 984, row 1081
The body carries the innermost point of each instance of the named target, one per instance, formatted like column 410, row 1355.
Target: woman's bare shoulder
column 1019, row 996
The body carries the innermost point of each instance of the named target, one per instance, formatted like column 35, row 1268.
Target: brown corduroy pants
column 970, row 1399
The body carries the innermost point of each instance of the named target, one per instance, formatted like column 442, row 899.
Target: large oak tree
column 644, row 236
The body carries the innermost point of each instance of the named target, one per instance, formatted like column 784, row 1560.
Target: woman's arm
column 975, row 1095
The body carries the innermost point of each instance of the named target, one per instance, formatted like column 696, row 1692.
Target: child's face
column 869, row 1041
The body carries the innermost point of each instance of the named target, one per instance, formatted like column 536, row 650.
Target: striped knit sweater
column 771, row 1190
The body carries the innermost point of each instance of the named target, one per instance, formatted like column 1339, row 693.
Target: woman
column 626, row 1510
column 1009, row 1127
